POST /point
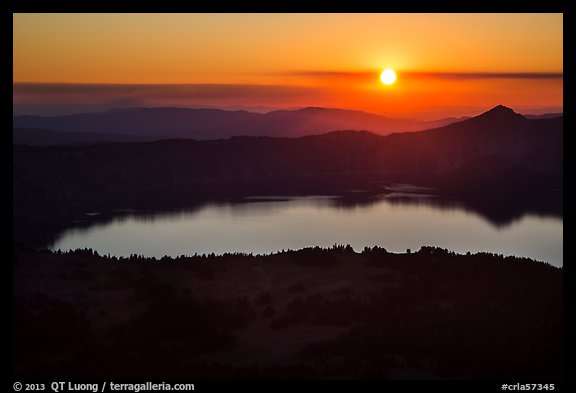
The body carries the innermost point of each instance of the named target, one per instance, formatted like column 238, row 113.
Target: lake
column 258, row 225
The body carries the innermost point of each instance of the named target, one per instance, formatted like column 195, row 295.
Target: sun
column 388, row 76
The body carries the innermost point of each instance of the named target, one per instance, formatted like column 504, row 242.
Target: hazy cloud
column 485, row 75
column 439, row 75
column 23, row 91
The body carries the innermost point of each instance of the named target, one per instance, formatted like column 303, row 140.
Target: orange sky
column 445, row 62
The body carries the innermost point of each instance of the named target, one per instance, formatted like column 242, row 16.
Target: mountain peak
column 499, row 113
column 502, row 108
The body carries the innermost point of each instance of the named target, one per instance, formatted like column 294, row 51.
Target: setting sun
column 388, row 76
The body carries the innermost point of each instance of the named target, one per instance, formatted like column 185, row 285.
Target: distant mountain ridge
column 545, row 115
column 205, row 124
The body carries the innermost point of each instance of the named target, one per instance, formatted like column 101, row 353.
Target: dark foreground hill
column 308, row 314
column 499, row 156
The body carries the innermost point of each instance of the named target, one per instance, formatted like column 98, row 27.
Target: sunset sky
column 447, row 64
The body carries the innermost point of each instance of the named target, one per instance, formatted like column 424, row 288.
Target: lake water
column 266, row 225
